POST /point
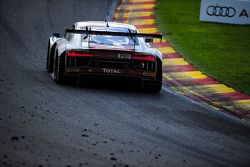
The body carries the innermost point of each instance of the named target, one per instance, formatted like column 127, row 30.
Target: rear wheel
column 59, row 69
column 48, row 57
column 155, row 86
column 152, row 86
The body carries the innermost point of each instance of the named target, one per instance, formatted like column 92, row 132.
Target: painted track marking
column 178, row 73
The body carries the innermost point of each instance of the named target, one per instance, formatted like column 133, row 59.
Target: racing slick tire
column 59, row 69
column 154, row 86
column 48, row 53
column 50, row 58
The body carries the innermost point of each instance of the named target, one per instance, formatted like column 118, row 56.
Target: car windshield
column 111, row 40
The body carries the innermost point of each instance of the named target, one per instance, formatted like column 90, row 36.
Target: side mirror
column 149, row 40
column 56, row 34
column 73, row 27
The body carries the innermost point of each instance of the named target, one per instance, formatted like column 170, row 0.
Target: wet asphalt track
column 46, row 124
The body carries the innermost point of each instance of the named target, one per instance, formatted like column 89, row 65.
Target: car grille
column 111, row 64
column 78, row 61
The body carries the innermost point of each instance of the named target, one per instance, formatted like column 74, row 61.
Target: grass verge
column 221, row 51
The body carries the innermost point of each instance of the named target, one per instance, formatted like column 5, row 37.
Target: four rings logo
column 221, row 11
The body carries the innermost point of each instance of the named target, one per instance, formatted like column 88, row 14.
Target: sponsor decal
column 111, row 71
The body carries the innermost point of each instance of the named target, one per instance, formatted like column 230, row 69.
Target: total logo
column 111, row 71
column 223, row 11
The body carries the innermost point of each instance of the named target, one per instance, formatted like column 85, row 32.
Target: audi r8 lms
column 99, row 48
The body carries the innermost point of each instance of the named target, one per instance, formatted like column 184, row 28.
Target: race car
column 99, row 48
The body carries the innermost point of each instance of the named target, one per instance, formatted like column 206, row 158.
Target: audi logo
column 221, row 11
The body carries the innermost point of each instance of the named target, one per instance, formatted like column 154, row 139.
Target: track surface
column 43, row 123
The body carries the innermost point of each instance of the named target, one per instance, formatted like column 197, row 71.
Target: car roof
column 81, row 25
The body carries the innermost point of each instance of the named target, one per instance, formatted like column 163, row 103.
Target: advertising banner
column 225, row 11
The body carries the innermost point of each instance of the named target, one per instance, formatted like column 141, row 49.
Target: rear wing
column 128, row 34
